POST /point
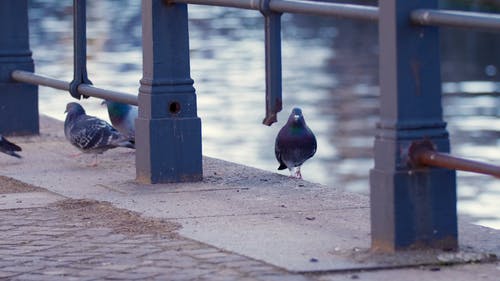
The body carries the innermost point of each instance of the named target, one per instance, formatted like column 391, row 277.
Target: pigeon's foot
column 94, row 163
column 295, row 173
column 75, row 155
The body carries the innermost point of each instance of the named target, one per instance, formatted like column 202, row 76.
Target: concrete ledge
column 293, row 224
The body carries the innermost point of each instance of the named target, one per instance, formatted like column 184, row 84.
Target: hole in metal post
column 174, row 107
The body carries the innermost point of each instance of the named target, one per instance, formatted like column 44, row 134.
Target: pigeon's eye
column 174, row 107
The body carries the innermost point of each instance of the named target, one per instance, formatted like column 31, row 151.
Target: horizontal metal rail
column 485, row 21
column 444, row 160
column 361, row 12
column 84, row 89
column 424, row 153
column 242, row 4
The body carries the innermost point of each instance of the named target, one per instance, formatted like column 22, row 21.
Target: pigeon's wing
column 278, row 147
column 313, row 145
column 129, row 123
column 123, row 116
column 92, row 133
column 282, row 165
column 9, row 147
column 304, row 148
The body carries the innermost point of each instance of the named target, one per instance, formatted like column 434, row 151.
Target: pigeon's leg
column 297, row 173
column 94, row 164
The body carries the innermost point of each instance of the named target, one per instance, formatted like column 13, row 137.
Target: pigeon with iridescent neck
column 122, row 117
column 90, row 134
column 8, row 147
column 295, row 144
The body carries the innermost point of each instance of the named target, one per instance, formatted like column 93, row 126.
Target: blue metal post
column 18, row 101
column 411, row 207
column 274, row 102
column 168, row 131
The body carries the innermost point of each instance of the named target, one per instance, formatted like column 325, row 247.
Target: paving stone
column 119, row 265
column 285, row 277
column 42, row 262
column 12, row 252
column 224, row 272
column 201, row 251
column 49, row 243
column 70, row 258
column 130, row 276
column 211, row 256
column 33, row 248
column 92, row 272
column 8, row 274
column 152, row 269
column 42, row 277
column 21, row 259
column 244, row 263
column 23, row 268
column 227, row 259
column 6, row 263
column 6, row 227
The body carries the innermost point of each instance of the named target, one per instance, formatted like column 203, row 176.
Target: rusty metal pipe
column 444, row 160
column 424, row 154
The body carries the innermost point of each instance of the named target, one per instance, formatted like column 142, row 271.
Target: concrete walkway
column 65, row 220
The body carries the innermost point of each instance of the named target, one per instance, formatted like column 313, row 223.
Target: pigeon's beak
column 296, row 117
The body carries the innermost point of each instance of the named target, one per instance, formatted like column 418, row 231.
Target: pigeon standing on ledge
column 122, row 117
column 295, row 144
column 8, row 147
column 91, row 134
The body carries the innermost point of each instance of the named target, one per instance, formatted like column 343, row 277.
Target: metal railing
column 295, row 6
column 83, row 89
column 485, row 22
column 413, row 203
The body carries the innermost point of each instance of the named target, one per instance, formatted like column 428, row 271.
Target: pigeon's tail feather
column 130, row 145
column 9, row 148
column 282, row 166
column 12, row 153
column 9, row 145
column 126, row 143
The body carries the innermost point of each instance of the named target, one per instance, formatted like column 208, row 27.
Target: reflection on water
column 329, row 69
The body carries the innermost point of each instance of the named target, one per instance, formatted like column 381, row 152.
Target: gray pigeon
column 8, row 147
column 91, row 134
column 295, row 144
column 122, row 117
